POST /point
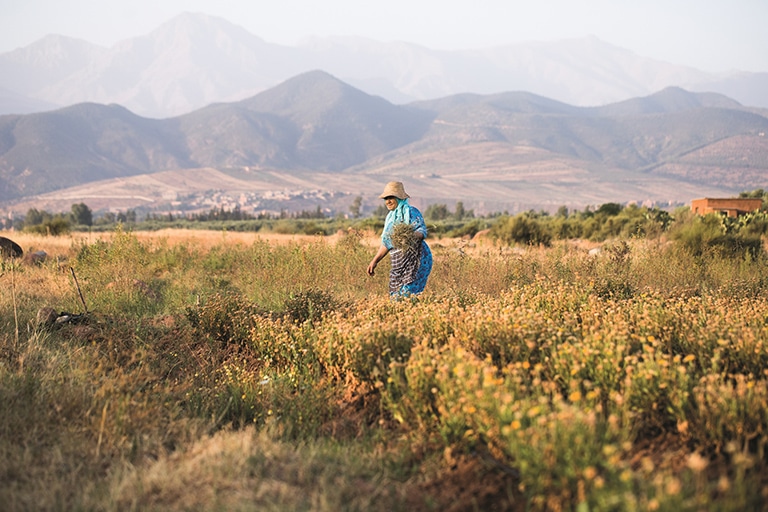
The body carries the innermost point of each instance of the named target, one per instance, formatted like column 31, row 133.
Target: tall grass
column 254, row 375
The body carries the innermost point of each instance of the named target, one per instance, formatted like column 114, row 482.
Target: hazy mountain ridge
column 194, row 60
column 34, row 68
column 313, row 121
column 316, row 132
column 81, row 143
column 638, row 134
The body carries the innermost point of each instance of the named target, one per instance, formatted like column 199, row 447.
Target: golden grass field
column 237, row 371
column 203, row 239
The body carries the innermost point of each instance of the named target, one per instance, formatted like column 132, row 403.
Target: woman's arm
column 376, row 259
column 419, row 226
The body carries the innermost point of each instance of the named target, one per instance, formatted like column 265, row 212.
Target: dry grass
column 202, row 239
column 534, row 379
column 404, row 238
column 251, row 469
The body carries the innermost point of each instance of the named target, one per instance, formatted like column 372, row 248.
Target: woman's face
column 390, row 202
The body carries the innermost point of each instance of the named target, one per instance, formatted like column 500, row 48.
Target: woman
column 410, row 268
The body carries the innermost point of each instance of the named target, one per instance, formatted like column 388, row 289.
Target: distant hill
column 312, row 121
column 194, row 60
column 86, row 142
column 639, row 134
column 509, row 151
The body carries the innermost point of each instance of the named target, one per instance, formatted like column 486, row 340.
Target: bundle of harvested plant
column 404, row 238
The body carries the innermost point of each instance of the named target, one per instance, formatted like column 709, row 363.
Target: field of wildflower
column 245, row 374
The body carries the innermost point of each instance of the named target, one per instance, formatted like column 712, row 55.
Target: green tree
column 757, row 193
column 81, row 215
column 610, row 209
column 355, row 207
column 460, row 211
column 34, row 217
column 437, row 212
column 53, row 226
column 523, row 228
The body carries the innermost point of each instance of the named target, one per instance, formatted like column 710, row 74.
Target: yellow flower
column 673, row 486
column 697, row 463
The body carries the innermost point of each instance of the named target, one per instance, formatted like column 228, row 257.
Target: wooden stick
column 15, row 311
column 78, row 289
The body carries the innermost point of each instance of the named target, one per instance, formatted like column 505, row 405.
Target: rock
column 37, row 257
column 46, row 317
column 9, row 248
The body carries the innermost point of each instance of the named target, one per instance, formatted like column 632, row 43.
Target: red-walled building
column 733, row 207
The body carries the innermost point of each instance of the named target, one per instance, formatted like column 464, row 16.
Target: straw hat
column 396, row 189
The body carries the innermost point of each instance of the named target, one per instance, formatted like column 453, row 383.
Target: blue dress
column 410, row 270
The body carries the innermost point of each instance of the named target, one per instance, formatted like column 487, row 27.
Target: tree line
column 609, row 220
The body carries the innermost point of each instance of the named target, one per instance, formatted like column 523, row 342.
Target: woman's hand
column 376, row 259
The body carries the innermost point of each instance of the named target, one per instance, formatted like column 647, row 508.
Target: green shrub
column 467, row 229
column 309, row 305
column 53, row 227
column 226, row 318
column 522, row 229
column 717, row 236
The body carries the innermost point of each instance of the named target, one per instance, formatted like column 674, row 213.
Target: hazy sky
column 711, row 35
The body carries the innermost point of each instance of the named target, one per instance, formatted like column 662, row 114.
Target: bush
column 717, row 236
column 226, row 318
column 53, row 227
column 309, row 305
column 522, row 229
column 467, row 229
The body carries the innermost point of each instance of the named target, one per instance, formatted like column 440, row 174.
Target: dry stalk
column 15, row 309
column 404, row 237
column 101, row 428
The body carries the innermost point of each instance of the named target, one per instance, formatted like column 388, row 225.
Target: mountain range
column 194, row 60
column 316, row 140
